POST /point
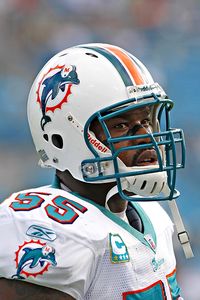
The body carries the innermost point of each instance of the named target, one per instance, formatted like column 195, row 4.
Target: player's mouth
column 146, row 158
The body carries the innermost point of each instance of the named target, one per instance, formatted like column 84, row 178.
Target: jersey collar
column 148, row 238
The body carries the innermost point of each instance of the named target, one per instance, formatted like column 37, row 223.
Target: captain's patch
column 118, row 249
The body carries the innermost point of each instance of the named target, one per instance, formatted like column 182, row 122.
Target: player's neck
column 95, row 192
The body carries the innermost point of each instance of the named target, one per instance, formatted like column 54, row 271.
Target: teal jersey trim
column 174, row 287
column 154, row 292
column 56, row 183
column 148, row 227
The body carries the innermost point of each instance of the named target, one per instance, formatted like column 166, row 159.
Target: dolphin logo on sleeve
column 35, row 261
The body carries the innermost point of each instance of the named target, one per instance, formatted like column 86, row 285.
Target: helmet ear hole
column 45, row 136
column 57, row 141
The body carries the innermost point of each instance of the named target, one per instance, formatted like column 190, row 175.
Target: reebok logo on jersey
column 118, row 250
column 41, row 232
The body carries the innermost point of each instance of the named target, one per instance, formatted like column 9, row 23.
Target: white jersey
column 57, row 239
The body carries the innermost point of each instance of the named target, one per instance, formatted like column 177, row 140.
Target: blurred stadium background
column 164, row 34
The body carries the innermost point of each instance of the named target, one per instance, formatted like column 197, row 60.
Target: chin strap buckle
column 183, row 237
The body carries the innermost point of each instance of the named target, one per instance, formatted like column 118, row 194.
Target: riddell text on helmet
column 97, row 144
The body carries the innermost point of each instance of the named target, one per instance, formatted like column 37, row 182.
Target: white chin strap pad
column 148, row 184
column 143, row 185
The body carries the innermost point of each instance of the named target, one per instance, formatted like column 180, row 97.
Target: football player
column 98, row 232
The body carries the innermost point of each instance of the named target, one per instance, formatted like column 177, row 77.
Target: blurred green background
column 164, row 34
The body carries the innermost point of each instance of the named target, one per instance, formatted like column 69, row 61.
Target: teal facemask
column 154, row 183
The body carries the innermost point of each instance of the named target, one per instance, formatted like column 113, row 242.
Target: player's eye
column 121, row 126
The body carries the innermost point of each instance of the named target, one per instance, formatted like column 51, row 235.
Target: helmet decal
column 33, row 258
column 131, row 72
column 54, row 89
column 129, row 63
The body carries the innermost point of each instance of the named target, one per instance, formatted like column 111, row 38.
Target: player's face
column 135, row 122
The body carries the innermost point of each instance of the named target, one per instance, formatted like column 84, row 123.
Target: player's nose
column 142, row 133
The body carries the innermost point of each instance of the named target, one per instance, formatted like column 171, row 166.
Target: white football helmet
column 100, row 81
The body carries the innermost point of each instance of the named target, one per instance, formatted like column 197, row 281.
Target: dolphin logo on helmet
column 52, row 85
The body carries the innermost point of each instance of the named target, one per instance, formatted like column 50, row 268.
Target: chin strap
column 112, row 192
column 182, row 233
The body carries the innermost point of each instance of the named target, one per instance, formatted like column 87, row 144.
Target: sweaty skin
column 130, row 123
column 21, row 290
